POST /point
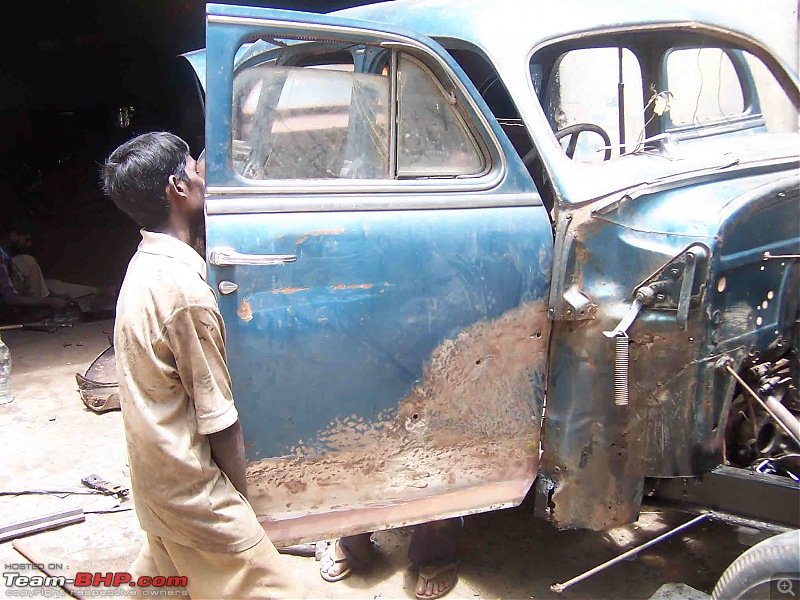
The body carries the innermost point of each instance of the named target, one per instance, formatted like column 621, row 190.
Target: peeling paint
column 319, row 233
column 354, row 286
column 472, row 421
column 245, row 311
column 290, row 290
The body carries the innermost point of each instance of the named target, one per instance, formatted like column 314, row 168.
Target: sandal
column 333, row 556
column 445, row 575
column 355, row 551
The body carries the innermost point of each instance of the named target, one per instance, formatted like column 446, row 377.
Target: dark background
column 67, row 70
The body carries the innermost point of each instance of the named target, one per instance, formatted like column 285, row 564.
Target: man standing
column 183, row 434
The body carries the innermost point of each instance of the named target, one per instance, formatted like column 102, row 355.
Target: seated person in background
column 10, row 297
column 26, row 275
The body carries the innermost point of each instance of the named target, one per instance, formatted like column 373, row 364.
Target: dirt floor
column 51, row 441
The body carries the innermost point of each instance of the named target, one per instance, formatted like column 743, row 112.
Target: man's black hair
column 137, row 173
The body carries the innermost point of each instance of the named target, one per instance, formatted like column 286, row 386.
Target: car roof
column 504, row 27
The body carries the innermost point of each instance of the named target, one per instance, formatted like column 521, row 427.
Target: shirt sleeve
column 196, row 336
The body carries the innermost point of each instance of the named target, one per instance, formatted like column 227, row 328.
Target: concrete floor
column 51, row 441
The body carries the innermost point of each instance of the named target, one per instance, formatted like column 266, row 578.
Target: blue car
column 469, row 251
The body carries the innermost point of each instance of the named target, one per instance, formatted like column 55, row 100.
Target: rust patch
column 321, row 232
column 473, row 420
column 354, row 286
column 290, row 290
column 647, row 340
column 245, row 311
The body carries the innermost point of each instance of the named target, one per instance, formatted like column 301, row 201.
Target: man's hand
column 227, row 450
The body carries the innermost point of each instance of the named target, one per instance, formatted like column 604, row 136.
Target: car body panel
column 674, row 424
column 394, row 371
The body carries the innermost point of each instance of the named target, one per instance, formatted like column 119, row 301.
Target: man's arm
column 227, row 450
column 195, row 336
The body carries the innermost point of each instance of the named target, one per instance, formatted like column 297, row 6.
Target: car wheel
column 764, row 562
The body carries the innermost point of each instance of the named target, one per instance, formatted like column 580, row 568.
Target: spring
column 621, row 370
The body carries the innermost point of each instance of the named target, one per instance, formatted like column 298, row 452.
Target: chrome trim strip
column 430, row 185
column 228, row 257
column 393, row 115
column 483, row 182
column 232, row 205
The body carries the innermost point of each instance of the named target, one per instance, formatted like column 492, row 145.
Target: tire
column 758, row 565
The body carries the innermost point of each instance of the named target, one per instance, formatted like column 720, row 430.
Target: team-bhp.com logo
column 95, row 584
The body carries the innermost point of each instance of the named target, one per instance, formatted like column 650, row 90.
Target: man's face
column 201, row 165
column 196, row 185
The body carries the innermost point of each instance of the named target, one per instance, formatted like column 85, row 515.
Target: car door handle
column 228, row 257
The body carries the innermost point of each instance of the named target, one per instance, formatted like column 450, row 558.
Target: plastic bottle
column 6, row 395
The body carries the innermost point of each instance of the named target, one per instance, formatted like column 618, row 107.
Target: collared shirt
column 175, row 390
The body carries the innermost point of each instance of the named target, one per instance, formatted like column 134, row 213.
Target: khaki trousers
column 258, row 572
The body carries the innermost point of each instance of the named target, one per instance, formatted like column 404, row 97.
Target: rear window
column 705, row 86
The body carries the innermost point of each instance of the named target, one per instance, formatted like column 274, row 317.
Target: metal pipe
column 766, row 407
column 785, row 415
column 39, row 524
column 560, row 587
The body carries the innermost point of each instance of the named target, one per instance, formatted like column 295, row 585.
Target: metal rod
column 785, row 415
column 768, row 256
column 621, row 104
column 764, row 405
column 560, row 587
column 39, row 524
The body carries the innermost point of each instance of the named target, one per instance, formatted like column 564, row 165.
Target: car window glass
column 319, row 110
column 779, row 113
column 704, row 86
column 311, row 122
column 432, row 138
column 584, row 90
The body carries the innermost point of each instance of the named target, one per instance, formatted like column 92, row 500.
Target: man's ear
column 176, row 188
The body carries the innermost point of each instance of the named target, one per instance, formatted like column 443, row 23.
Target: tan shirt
column 175, row 390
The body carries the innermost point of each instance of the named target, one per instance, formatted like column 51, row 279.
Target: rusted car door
column 382, row 260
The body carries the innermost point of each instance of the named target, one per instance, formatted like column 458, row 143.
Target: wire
column 107, row 512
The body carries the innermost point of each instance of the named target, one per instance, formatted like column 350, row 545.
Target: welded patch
column 473, row 420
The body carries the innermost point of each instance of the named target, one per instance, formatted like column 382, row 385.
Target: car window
column 780, row 115
column 300, row 113
column 704, row 86
column 584, row 89
column 715, row 86
column 310, row 122
column 432, row 138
